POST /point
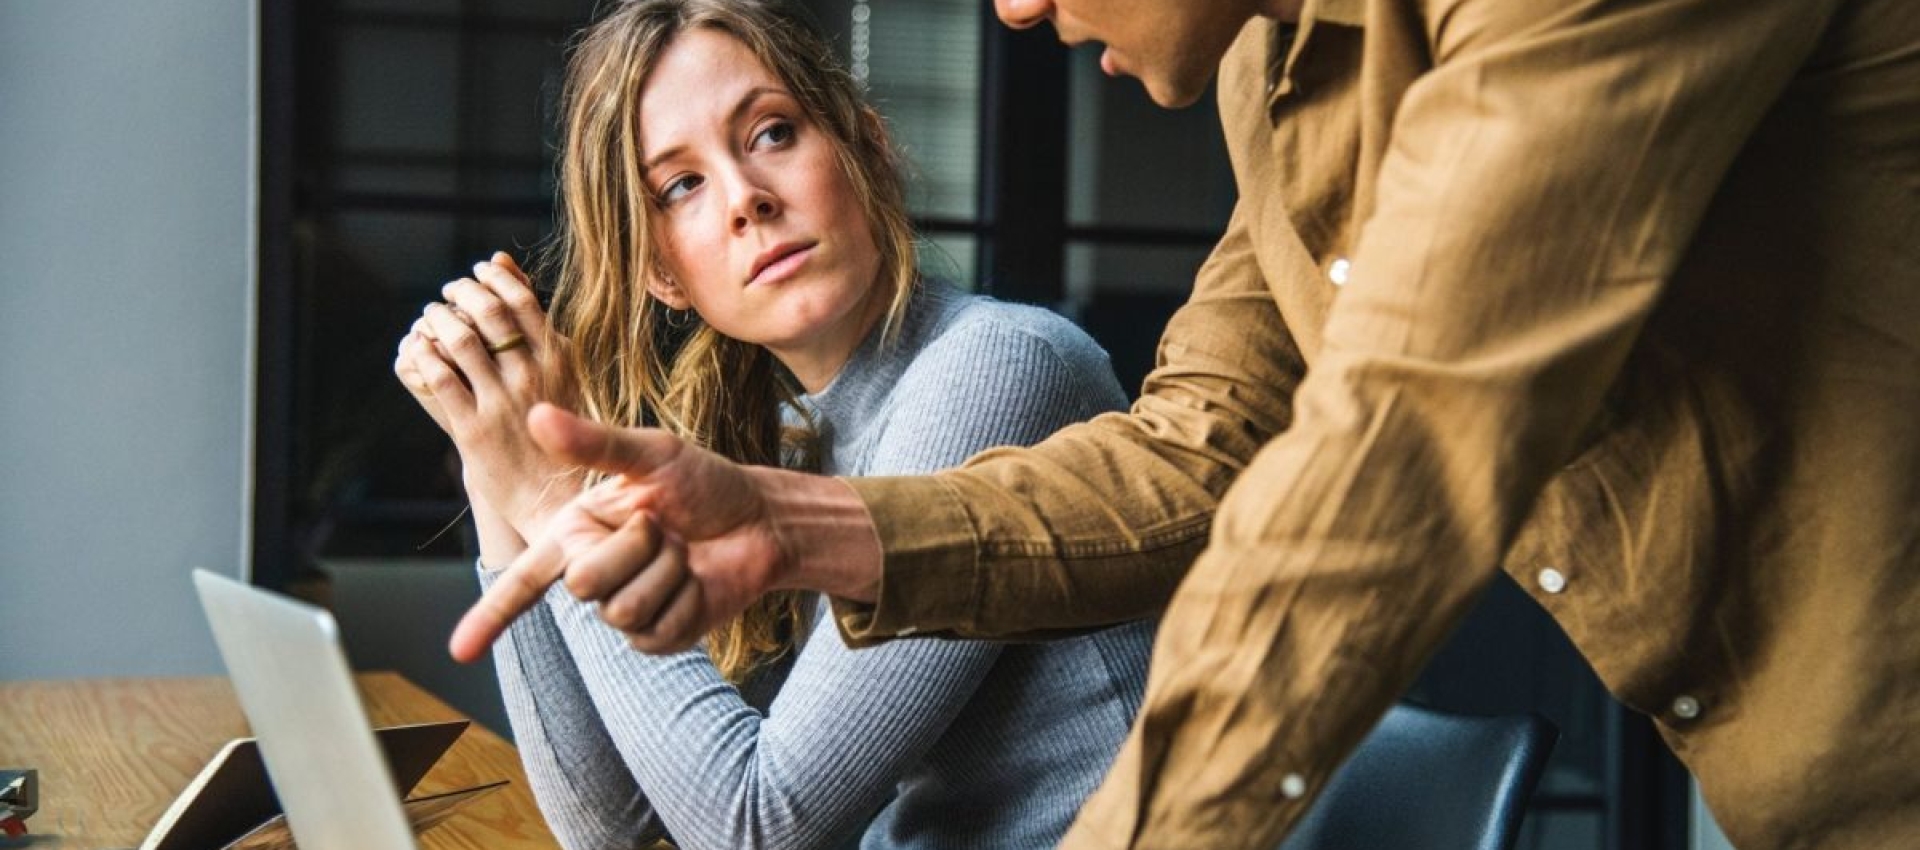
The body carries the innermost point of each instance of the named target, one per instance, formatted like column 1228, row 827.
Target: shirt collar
column 1289, row 41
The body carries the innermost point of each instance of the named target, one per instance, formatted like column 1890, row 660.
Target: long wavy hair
column 632, row 365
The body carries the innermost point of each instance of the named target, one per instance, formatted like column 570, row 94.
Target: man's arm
column 1541, row 186
column 1097, row 524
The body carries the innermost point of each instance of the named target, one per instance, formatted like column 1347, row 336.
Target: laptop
column 285, row 661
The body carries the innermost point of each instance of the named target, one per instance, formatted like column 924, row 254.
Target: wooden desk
column 113, row 753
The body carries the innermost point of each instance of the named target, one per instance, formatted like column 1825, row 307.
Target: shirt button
column 1552, row 580
column 1686, row 707
column 1294, row 786
column 1337, row 272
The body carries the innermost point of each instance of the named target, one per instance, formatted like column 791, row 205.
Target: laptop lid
column 285, row 661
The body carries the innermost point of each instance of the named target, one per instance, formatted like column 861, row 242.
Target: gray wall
column 125, row 328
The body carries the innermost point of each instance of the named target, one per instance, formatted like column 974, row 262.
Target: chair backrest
column 1425, row 780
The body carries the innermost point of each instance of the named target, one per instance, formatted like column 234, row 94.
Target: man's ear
column 667, row 291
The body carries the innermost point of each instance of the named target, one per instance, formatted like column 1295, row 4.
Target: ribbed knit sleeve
column 589, row 800
column 985, row 383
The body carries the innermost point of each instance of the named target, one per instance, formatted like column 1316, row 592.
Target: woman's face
column 758, row 226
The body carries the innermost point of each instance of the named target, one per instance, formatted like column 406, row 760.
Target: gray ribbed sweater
column 915, row 744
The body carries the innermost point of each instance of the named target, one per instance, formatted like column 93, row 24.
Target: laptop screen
column 285, row 661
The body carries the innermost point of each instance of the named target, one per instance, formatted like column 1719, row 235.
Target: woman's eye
column 775, row 134
column 678, row 187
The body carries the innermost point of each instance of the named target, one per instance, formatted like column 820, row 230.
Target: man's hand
column 678, row 541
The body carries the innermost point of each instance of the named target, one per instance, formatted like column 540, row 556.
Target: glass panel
column 520, row 183
column 364, row 440
column 371, row 456
column 1096, row 269
column 1123, row 295
column 952, row 257
column 396, row 176
column 547, row 10
column 921, row 61
column 372, row 112
column 397, row 252
column 580, row 11
column 524, row 238
column 516, row 87
column 409, row 255
column 1133, row 164
column 413, row 7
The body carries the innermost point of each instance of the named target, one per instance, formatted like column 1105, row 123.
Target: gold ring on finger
column 508, row 344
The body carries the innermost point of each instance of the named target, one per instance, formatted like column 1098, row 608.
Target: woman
column 736, row 265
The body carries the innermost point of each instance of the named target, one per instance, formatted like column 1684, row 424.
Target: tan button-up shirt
column 1621, row 297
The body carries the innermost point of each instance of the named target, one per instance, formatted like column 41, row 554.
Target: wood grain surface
column 113, row 753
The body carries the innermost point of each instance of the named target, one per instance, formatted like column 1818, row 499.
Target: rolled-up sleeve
column 1541, row 185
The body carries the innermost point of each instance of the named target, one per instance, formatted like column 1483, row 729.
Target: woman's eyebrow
column 746, row 102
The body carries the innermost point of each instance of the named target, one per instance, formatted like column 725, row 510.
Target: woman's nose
column 754, row 205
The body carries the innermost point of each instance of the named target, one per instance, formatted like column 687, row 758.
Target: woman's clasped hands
column 477, row 362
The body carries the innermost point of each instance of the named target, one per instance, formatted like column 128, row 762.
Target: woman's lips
column 782, row 268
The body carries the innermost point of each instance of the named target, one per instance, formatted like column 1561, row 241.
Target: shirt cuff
column 930, row 564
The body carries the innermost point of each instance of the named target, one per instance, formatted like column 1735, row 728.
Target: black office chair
column 1424, row 780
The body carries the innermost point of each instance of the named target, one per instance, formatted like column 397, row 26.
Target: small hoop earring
column 678, row 319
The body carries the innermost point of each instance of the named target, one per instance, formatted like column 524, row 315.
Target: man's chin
column 1175, row 92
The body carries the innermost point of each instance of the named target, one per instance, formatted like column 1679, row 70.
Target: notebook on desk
column 333, row 775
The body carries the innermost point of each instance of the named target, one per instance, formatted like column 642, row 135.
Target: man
column 1622, row 297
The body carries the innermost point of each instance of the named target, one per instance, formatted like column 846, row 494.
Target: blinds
column 921, row 62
